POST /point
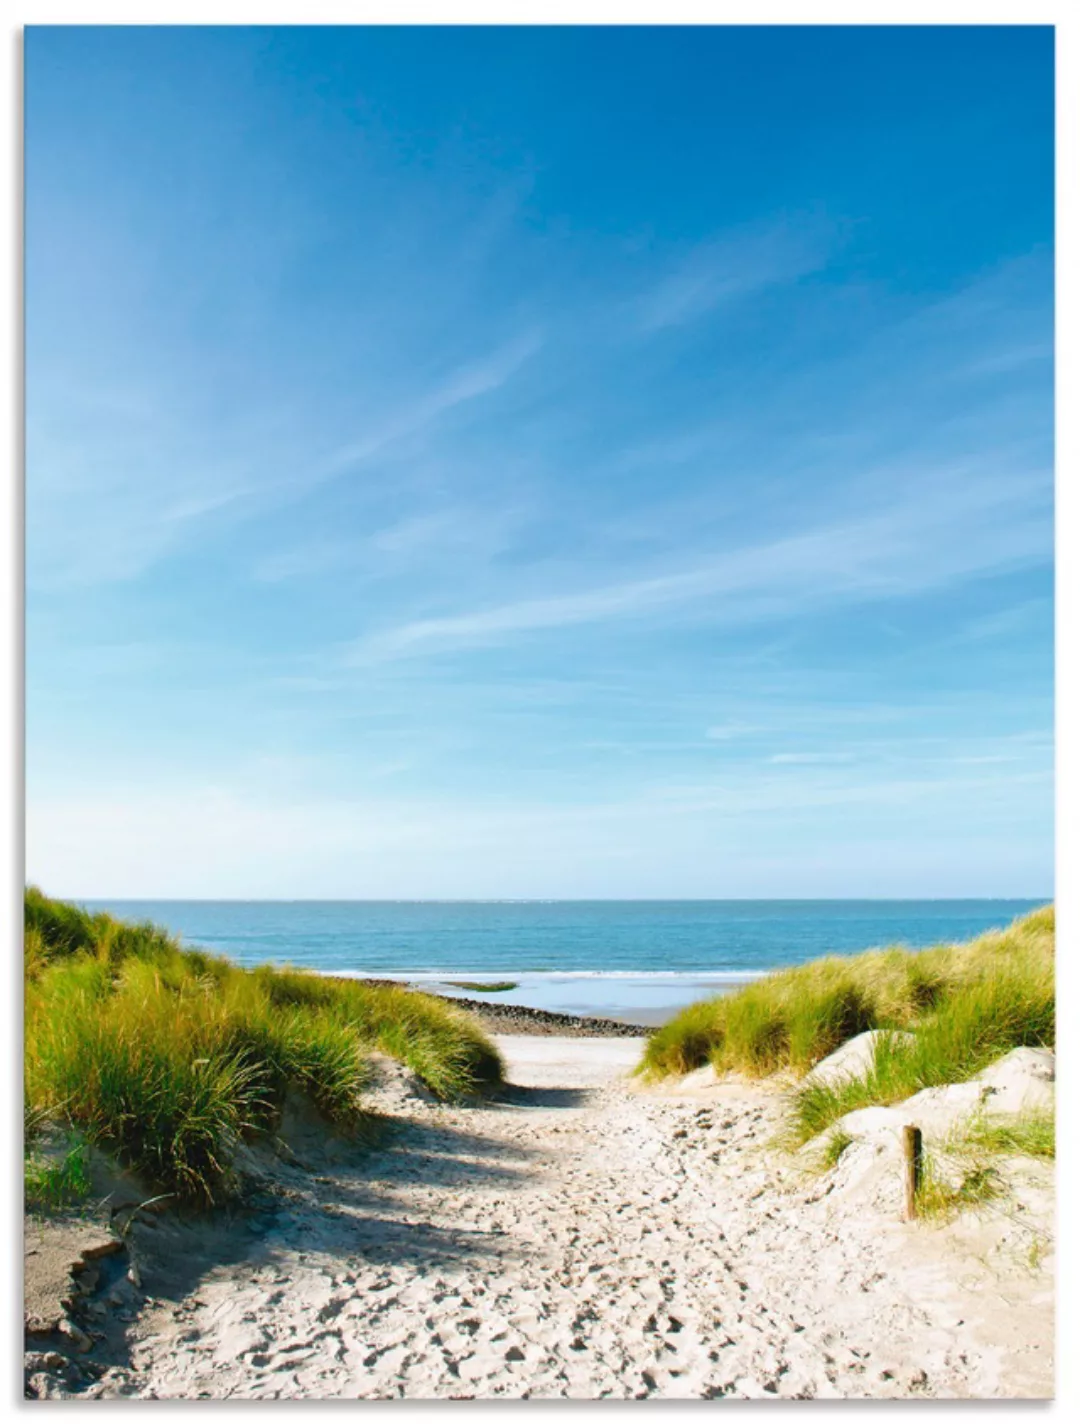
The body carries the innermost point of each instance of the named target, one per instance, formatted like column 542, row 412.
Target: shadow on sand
column 349, row 1211
column 514, row 1096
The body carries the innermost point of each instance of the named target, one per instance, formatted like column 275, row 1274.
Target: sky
column 539, row 463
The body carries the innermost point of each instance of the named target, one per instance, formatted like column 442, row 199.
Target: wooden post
column 912, row 1141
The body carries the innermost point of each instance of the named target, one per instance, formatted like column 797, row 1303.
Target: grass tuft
column 966, row 1003
column 51, row 1185
column 1028, row 1135
column 994, row 1009
column 169, row 1057
column 836, row 1145
column 952, row 1009
column 938, row 1197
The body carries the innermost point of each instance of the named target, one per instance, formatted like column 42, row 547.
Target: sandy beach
column 579, row 1238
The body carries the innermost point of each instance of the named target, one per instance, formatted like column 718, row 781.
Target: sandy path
column 581, row 1239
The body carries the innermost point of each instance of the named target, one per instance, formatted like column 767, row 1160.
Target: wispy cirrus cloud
column 729, row 731
column 107, row 520
column 738, row 264
column 454, row 534
column 903, row 550
column 809, row 758
column 468, row 382
column 1007, row 621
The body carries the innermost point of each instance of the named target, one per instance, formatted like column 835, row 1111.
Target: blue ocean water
column 577, row 956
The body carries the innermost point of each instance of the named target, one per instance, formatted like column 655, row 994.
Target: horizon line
column 566, row 900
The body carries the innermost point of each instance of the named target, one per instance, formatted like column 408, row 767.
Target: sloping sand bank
column 580, row 1238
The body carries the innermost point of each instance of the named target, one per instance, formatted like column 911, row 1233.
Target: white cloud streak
column 736, row 265
column 109, row 503
column 809, row 758
column 467, row 383
column 902, row 551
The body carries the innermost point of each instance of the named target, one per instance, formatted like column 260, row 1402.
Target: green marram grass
column 963, row 1006
column 942, row 1194
column 836, row 1144
column 170, row 1057
column 964, row 1171
column 1028, row 1134
column 54, row 1185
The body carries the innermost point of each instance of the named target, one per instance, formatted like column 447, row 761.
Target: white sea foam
column 523, row 976
column 601, row 992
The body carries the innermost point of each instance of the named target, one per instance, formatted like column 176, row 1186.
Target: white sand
column 588, row 1239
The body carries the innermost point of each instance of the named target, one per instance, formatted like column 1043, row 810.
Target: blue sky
column 539, row 463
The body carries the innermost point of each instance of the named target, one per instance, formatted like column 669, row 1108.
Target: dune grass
column 965, row 1005
column 942, row 1193
column 443, row 1046
column 965, row 1170
column 52, row 1185
column 170, row 1057
column 1006, row 1006
column 1028, row 1134
column 836, row 1144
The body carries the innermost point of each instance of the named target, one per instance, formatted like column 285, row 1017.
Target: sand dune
column 580, row 1238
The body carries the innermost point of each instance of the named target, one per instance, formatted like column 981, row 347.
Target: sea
column 632, row 959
